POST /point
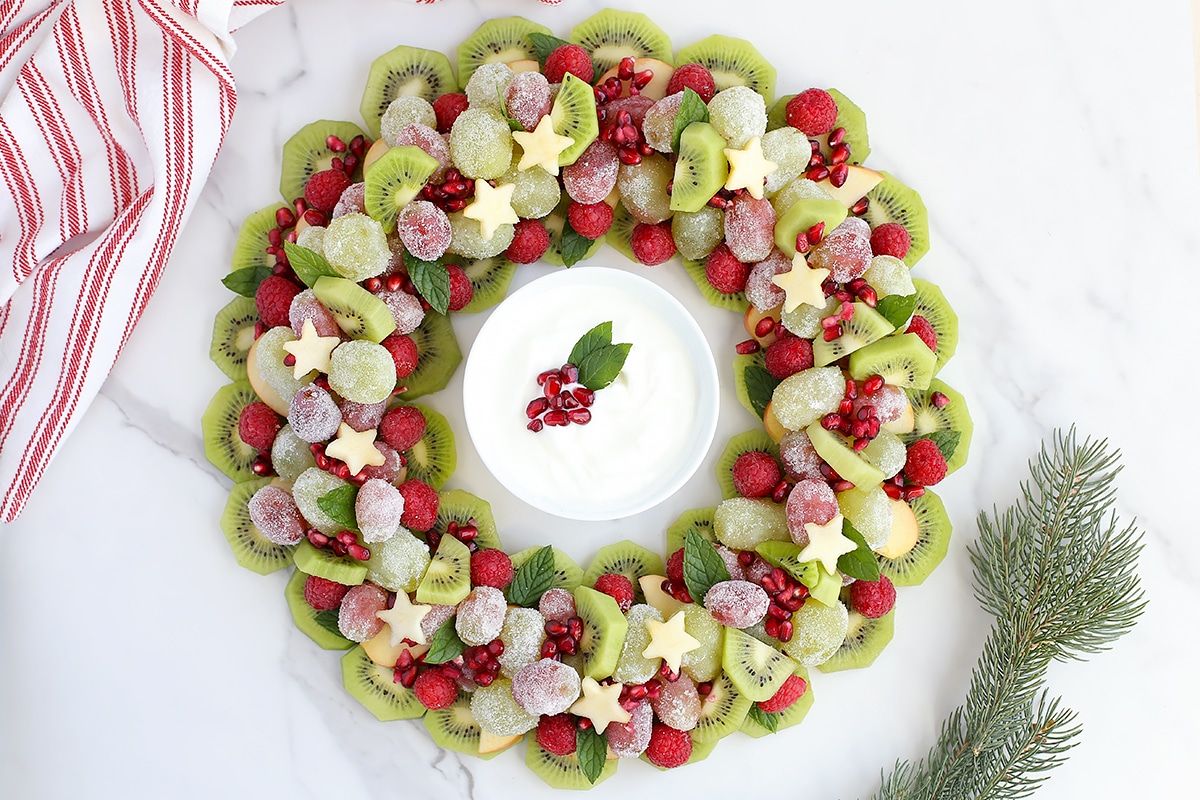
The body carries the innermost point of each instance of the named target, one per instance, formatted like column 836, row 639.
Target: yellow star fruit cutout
column 669, row 641
column 600, row 704
column 826, row 543
column 801, row 285
column 748, row 168
column 541, row 146
column 311, row 350
column 404, row 618
column 492, row 207
column 356, row 449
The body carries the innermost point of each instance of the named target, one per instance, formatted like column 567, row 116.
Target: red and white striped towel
column 112, row 113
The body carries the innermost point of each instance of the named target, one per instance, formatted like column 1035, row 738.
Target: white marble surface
column 1056, row 152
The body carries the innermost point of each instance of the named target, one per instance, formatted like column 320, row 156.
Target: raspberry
column 791, row 691
column 420, row 505
column 530, row 242
column 447, row 108
column 435, row 689
column 402, row 427
column 724, row 272
column 921, row 327
column 258, row 425
column 695, row 77
column 873, row 599
column 590, row 220
column 568, row 58
column 756, row 474
column 890, row 239
column 787, row 356
column 675, row 566
column 491, row 568
column 556, row 734
column 652, row 244
column 322, row 594
column 404, row 354
column 325, row 188
column 926, row 466
column 618, row 587
column 274, row 299
column 461, row 290
column 813, row 112
column 668, row 747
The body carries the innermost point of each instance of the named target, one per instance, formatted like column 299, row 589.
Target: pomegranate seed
column 570, row 373
column 912, row 492
column 554, row 627
column 261, row 466
column 338, row 548
column 815, row 233
column 817, row 174
column 568, row 645
column 832, row 333
column 846, row 407
column 584, row 395
column 801, row 243
column 837, row 136
column 860, row 444
column 583, row 723
column 745, row 558
column 335, row 144
column 631, row 158
column 874, row 383
column 625, row 68
column 769, row 584
column 643, row 78
column 764, row 327
column 771, row 626
column 747, row 347
column 275, row 236
column 549, row 649
column 338, row 164
column 553, row 385
column 284, row 218
column 840, row 154
column 301, row 205
column 373, row 285
column 938, row 399
column 536, row 407
column 860, row 206
column 817, row 160
column 485, row 679
column 842, row 486
column 556, row 402
column 780, row 492
column 347, row 538
column 394, row 282
column 359, row 553
column 580, row 416
column 575, row 627
column 839, row 174
column 535, row 425
column 314, row 217
column 785, row 631
column 289, row 358
column 851, row 391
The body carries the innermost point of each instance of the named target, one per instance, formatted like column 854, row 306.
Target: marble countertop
column 1056, row 152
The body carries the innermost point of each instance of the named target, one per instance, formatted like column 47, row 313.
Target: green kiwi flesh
column 490, row 279
column 465, row 508
column 732, row 62
column 792, row 715
column 699, row 520
column 865, row 639
column 501, row 40
column 777, row 114
column 359, row 313
column 750, row 441
column 903, row 360
column 892, row 201
column 866, row 326
column 320, row 626
column 933, row 306
column 954, row 416
column 555, row 222
column 562, row 772
column 838, row 454
column 372, row 685
column 604, row 628
column 701, row 169
column 731, row 302
column 722, row 712
column 802, row 215
column 628, row 559
column 223, row 446
column 567, row 574
column 620, row 234
column 756, row 669
column 250, row 249
column 852, row 118
column 306, row 152
column 250, row 548
column 438, row 356
column 233, row 335
column 448, row 579
column 574, row 115
column 433, row 458
column 394, row 180
column 611, row 35
column 325, row 564
column 404, row 72
column 933, row 540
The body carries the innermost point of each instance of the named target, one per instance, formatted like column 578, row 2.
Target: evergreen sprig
column 1058, row 571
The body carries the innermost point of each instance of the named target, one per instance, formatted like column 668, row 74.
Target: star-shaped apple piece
column 600, row 704
column 748, row 168
column 356, row 449
column 311, row 350
column 492, row 207
column 404, row 618
column 801, row 285
column 826, row 543
column 541, row 147
column 669, row 641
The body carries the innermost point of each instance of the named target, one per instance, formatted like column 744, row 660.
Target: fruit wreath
column 550, row 148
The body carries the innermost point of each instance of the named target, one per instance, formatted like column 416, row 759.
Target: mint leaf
column 245, row 281
column 329, row 621
column 573, row 244
column 545, row 44
column 858, row 563
column 760, row 387
column 592, row 750
column 897, row 308
column 691, row 110
column 766, row 719
column 702, row 566
column 946, row 441
column 445, row 644
column 339, row 505
column 597, row 337
column 601, row 367
column 533, row 579
column 308, row 264
column 432, row 280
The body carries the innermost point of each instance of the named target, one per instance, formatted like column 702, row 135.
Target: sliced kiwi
column 252, row 550
column 903, row 360
column 865, row 639
column 703, row 663
column 250, row 249
column 732, row 62
column 604, row 628
column 567, row 574
column 455, row 728
column 404, row 72
column 777, row 115
column 433, row 458
column 866, row 326
column 465, row 508
column 437, row 356
column 554, row 222
column 320, row 626
column 562, row 772
column 374, row 687
column 223, row 446
column 490, row 279
column 699, row 520
column 611, row 35
column 624, row 558
column 952, row 416
column 792, row 715
column 359, row 313
column 701, row 169
column 756, row 669
column 393, row 180
column 852, row 118
column 448, row 579
column 892, row 201
column 326, row 564
column 804, row 214
column 933, row 540
column 233, row 336
column 620, row 234
column 722, row 712
column 845, row 460
column 306, row 152
column 933, row 306
column 497, row 41
column 574, row 115
column 756, row 440
column 742, row 365
column 732, row 302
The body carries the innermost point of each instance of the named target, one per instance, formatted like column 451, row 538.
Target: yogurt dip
column 650, row 428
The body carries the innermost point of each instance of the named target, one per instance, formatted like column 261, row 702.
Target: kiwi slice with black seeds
column 701, row 168
column 250, row 249
column 628, row 559
column 359, row 313
column 490, row 279
column 732, row 62
column 620, row 234
column 866, row 326
column 933, row 306
column 865, row 639
column 438, row 356
column 756, row 668
column 306, row 153
column 953, row 416
column 374, row 687
column 465, row 508
column 699, row 520
column 252, row 550
column 792, row 715
column 731, row 302
column 902, row 360
column 562, row 772
column 892, row 201
column 722, row 712
column 326, row 564
column 447, row 580
column 223, row 446
column 611, row 35
column 501, row 40
column 455, row 728
column 320, row 626
column 555, row 222
column 741, row 364
column 574, row 115
column 604, row 629
column 750, row 441
column 233, row 336
column 394, row 180
column 567, row 574
column 933, row 540
column 433, row 458
column 404, row 72
column 852, row 118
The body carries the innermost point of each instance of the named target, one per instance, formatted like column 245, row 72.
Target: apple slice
column 656, row 597
column 490, row 742
column 379, row 648
column 774, row 427
column 656, row 89
column 525, row 65
column 263, row 389
column 754, row 316
column 904, row 530
column 859, row 181
column 905, row 423
column 377, row 149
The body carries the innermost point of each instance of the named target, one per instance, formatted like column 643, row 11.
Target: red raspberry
column 491, row 568
column 447, row 108
column 591, row 220
column 556, row 734
column 435, row 689
column 873, row 599
column 787, row 356
column 724, row 272
column 652, row 244
column 921, row 327
column 530, row 242
column 568, row 58
column 668, row 747
column 791, row 691
column 813, row 112
column 325, row 188
column 402, row 427
column 926, row 466
column 420, row 505
column 404, row 354
column 273, row 300
column 695, row 77
column 756, row 474
column 675, row 566
column 258, row 425
column 461, row 290
column 618, row 587
column 322, row 594
column 890, row 239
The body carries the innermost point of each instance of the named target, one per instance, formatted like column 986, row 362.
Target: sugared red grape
column 750, row 228
column 378, row 508
column 528, row 98
column 846, row 252
column 594, row 175
column 762, row 293
column 356, row 617
column 809, row 501
column 430, row 141
column 314, row 414
column 659, row 125
column 481, row 615
column 737, row 604
column 630, row 739
column 546, row 687
column 678, row 705
column 425, row 230
column 406, row 310
column 799, row 457
column 274, row 513
column 304, row 306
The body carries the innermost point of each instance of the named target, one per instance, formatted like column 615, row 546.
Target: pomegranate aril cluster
column 862, row 424
column 483, row 662
column 562, row 638
column 345, row 543
column 564, row 401
column 452, row 194
column 466, row 533
column 619, row 127
column 787, row 596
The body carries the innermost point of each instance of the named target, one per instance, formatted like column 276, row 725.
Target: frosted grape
column 805, row 320
column 498, row 713
column 818, row 631
column 362, row 371
column 431, row 142
column 703, row 663
column 356, row 617
column 487, row 85
column 736, row 570
column 274, row 513
column 643, row 188
column 535, row 191
column 481, row 144
column 749, row 228
column 402, row 112
column 802, row 399
column 305, row 305
column 738, row 113
column 352, row 201
column 887, row 452
column 630, row 739
column 481, row 615
column 356, row 246
column 312, row 485
column 290, row 454
column 790, row 150
column 697, row 233
column 546, row 687
column 809, row 501
column 637, row 105
column 436, row 616
column 522, row 634
column 846, row 252
column 742, row 523
column 659, row 125
column 678, row 705
column 377, row 508
column 313, row 414
column 269, row 356
column 799, row 189
column 425, row 230
column 362, row 416
column 467, row 240
column 312, row 238
column 737, row 604
column 389, row 470
column 632, row 666
column 889, row 275
column 799, row 457
column 870, row 512
column 528, row 98
column 760, row 291
column 399, row 564
column 406, row 310
column 557, row 604
column 594, row 175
